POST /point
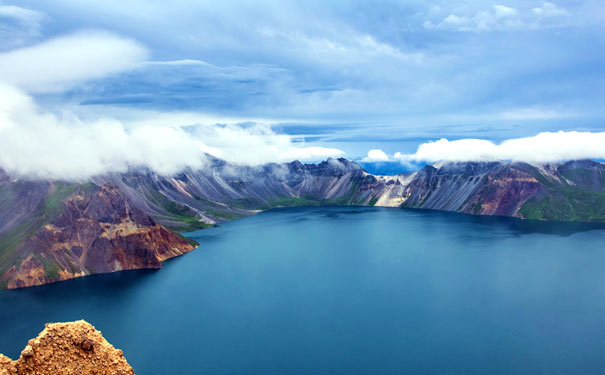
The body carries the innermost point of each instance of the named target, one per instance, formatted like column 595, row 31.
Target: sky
column 91, row 86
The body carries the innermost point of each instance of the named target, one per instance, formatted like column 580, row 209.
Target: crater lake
column 347, row 290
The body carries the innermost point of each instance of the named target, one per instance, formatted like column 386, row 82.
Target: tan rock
column 68, row 348
column 7, row 366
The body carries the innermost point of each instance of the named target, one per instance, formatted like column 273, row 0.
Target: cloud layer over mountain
column 39, row 143
column 544, row 147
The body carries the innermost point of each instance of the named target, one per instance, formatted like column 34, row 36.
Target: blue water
column 351, row 291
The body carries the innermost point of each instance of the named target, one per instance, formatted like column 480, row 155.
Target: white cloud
column 24, row 16
column 376, row 155
column 456, row 21
column 184, row 62
column 549, row 10
column 18, row 26
column 256, row 144
column 350, row 47
column 501, row 11
column 60, row 63
column 36, row 143
column 500, row 17
column 544, row 147
column 532, row 113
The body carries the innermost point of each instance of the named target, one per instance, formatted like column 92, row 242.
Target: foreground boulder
column 68, row 348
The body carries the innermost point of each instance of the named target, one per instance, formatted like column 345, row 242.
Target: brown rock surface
column 68, row 348
column 96, row 231
column 7, row 366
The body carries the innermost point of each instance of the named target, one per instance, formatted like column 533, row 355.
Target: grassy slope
column 11, row 242
column 566, row 204
column 187, row 220
column 348, row 199
column 561, row 201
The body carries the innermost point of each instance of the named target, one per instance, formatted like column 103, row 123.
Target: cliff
column 68, row 348
column 572, row 191
column 80, row 230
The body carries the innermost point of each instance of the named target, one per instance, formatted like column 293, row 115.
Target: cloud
column 532, row 113
column 184, row 62
column 358, row 62
column 501, row 11
column 544, row 147
column 36, row 143
column 24, row 16
column 376, row 156
column 549, row 10
column 68, row 144
column 63, row 62
column 18, row 25
column 338, row 49
column 500, row 17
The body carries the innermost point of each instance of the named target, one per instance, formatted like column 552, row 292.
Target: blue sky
column 349, row 75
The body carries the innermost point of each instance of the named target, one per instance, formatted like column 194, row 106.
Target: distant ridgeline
column 56, row 230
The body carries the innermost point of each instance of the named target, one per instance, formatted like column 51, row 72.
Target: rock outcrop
column 95, row 230
column 68, row 349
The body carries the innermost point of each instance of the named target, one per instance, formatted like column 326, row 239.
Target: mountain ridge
column 56, row 230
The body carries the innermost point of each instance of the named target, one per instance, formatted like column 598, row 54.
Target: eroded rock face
column 68, row 348
column 96, row 231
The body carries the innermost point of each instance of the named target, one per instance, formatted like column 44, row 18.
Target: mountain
column 56, row 230
column 572, row 191
column 67, row 348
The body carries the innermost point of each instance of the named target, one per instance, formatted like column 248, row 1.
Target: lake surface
column 348, row 290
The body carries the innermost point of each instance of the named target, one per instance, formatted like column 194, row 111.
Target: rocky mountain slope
column 572, row 191
column 222, row 191
column 66, row 349
column 52, row 230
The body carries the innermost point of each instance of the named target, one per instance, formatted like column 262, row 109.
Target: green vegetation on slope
column 286, row 201
column 189, row 240
column 51, row 268
column 53, row 203
column 226, row 215
column 188, row 220
column 49, row 208
column 10, row 241
column 566, row 204
column 293, row 202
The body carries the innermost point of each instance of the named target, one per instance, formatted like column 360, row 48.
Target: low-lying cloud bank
column 542, row 148
column 39, row 144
